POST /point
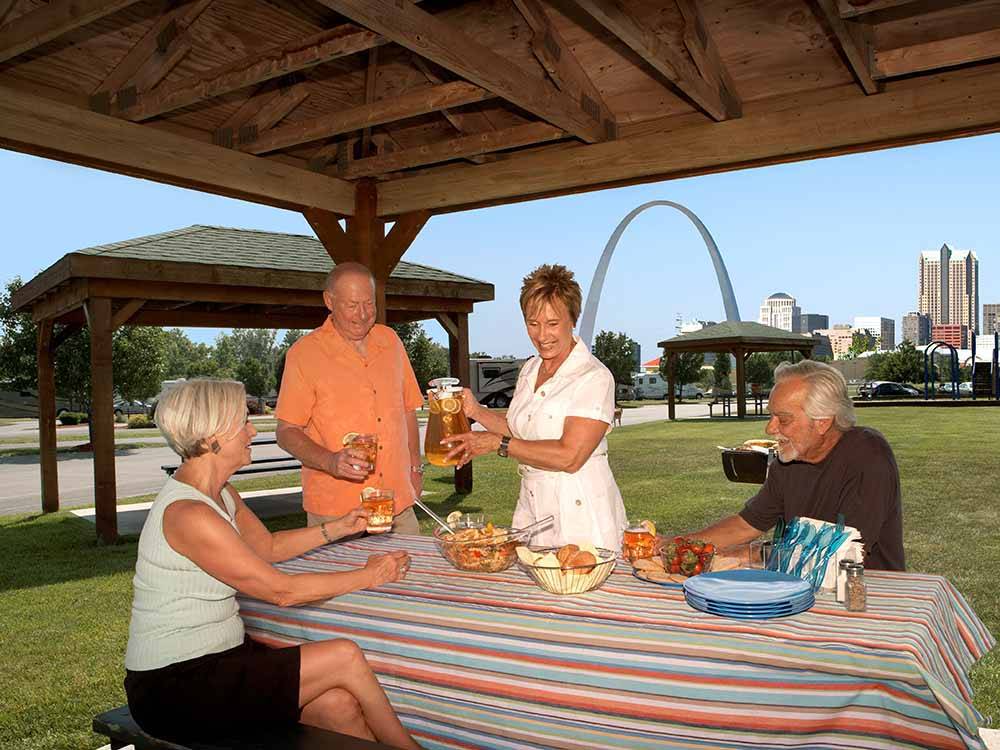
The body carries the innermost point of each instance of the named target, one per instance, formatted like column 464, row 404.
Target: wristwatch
column 504, row 444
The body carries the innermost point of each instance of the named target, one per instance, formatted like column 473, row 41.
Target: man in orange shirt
column 351, row 375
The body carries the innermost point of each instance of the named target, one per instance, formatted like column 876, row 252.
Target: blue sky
column 842, row 235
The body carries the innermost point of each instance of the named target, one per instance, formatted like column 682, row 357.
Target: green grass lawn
column 64, row 599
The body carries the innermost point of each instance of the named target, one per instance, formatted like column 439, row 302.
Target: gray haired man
column 826, row 466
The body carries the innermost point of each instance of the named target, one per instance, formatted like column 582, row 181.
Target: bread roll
column 581, row 562
column 565, row 553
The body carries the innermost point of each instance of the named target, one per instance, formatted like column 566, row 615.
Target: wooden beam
column 458, row 364
column 455, row 148
column 272, row 63
column 47, row 418
column 466, row 122
column 452, row 49
column 783, row 129
column 259, row 113
column 102, row 425
column 448, row 324
column 676, row 68
column 741, row 383
column 399, row 239
column 172, row 24
column 410, row 104
column 327, row 227
column 855, row 41
column 36, row 27
column 700, row 45
column 943, row 53
column 371, row 76
column 45, row 128
column 897, row 8
column 122, row 316
column 557, row 58
column 6, row 6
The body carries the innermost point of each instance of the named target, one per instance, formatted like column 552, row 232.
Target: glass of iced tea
column 380, row 505
column 366, row 443
column 638, row 540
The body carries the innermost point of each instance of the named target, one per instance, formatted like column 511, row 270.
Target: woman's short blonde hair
column 551, row 283
column 190, row 413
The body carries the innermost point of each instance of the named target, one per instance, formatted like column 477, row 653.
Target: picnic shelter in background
column 204, row 276
column 736, row 338
column 364, row 113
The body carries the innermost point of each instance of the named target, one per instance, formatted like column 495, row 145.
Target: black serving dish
column 745, row 466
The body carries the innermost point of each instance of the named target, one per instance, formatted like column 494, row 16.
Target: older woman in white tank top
column 190, row 670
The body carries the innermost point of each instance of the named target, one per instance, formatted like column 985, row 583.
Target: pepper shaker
column 856, row 591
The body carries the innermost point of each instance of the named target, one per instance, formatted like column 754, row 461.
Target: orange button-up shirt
column 329, row 388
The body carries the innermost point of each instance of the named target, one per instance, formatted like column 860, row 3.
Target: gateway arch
column 597, row 283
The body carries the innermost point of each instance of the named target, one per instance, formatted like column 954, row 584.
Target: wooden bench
column 726, row 402
column 122, row 731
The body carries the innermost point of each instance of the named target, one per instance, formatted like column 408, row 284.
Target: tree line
column 146, row 356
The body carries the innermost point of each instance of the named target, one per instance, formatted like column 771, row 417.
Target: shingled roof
column 734, row 333
column 251, row 248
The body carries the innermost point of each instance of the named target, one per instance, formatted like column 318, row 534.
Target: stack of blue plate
column 749, row 594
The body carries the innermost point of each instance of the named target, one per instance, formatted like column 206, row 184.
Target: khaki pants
column 404, row 523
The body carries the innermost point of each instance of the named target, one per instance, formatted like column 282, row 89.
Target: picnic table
column 477, row 660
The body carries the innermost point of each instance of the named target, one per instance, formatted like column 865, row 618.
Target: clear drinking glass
column 380, row 504
column 637, row 541
column 366, row 443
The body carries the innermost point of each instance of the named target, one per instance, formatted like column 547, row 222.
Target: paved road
column 138, row 470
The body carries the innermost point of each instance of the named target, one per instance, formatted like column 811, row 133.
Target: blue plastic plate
column 744, row 586
column 749, row 615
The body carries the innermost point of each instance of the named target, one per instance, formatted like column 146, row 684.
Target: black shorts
column 217, row 694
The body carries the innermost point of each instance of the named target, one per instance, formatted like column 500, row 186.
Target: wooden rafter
column 855, row 41
column 835, row 121
column 466, row 122
column 454, row 50
column 703, row 51
column 278, row 61
column 125, row 313
column 676, row 68
column 153, row 56
column 6, row 6
column 454, row 148
column 399, row 239
column 410, row 104
column 43, row 127
column 371, row 75
column 563, row 68
column 905, row 7
column 51, row 21
column 260, row 113
column 943, row 53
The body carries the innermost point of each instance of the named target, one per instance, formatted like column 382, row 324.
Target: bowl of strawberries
column 687, row 556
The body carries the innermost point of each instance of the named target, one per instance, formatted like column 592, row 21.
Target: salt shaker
column 842, row 580
column 856, row 591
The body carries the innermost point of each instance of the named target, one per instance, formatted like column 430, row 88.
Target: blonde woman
column 555, row 428
column 190, row 670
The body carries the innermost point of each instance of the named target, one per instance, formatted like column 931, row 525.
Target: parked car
column 887, row 389
column 125, row 408
column 624, row 392
column 945, row 389
column 690, row 390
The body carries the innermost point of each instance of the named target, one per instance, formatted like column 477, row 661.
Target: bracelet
column 418, row 469
column 322, row 530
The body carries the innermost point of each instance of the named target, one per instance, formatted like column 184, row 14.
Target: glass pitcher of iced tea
column 444, row 400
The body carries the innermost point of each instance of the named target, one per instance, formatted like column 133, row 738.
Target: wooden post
column 98, row 311
column 741, row 385
column 365, row 232
column 671, row 370
column 47, row 417
column 457, row 325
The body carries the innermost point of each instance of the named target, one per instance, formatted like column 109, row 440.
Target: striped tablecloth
column 475, row 660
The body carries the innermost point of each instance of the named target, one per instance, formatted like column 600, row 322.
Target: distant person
column 555, row 428
column 351, row 375
column 826, row 466
column 191, row 672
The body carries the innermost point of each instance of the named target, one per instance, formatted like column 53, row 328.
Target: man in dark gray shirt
column 827, row 466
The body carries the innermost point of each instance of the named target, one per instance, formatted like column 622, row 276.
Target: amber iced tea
column 367, row 444
column 380, row 506
column 446, row 419
column 637, row 543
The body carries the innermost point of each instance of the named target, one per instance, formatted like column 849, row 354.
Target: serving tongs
column 434, row 515
column 517, row 533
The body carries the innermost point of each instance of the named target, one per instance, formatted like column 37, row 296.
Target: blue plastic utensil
column 819, row 570
column 804, row 541
column 818, row 546
column 787, row 539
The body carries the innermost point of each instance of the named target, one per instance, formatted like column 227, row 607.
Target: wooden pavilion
column 739, row 339
column 204, row 276
column 376, row 111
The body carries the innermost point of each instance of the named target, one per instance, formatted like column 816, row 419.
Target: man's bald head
column 343, row 271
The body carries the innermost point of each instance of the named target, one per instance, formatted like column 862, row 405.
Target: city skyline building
column 951, row 333
column 917, row 328
column 780, row 311
column 948, row 287
column 810, row 322
column 991, row 318
column 840, row 337
column 882, row 330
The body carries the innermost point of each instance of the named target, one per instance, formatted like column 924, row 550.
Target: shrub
column 72, row 417
column 139, row 421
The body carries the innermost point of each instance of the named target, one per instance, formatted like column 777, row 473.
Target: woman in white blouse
column 556, row 425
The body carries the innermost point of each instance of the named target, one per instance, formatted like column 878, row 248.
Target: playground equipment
column 929, row 353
